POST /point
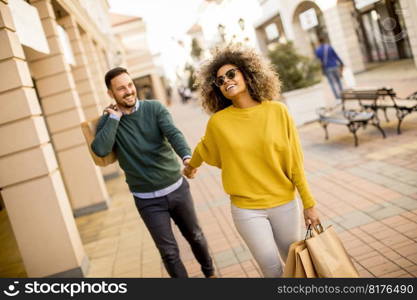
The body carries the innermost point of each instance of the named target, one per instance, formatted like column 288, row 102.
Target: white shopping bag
column 348, row 78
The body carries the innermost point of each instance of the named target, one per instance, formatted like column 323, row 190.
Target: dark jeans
column 178, row 205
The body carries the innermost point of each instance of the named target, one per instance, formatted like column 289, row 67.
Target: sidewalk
column 369, row 194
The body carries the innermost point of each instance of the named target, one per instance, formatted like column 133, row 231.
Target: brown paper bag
column 308, row 266
column 329, row 256
column 89, row 130
column 299, row 264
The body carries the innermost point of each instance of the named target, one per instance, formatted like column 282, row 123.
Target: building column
column 103, row 66
column 301, row 40
column 96, row 69
column 341, row 28
column 31, row 185
column 409, row 8
column 81, row 71
column 62, row 108
column 102, row 59
column 84, row 82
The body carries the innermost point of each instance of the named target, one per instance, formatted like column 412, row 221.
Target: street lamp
column 221, row 28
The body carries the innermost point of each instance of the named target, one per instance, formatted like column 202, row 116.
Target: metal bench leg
column 399, row 126
column 326, row 132
column 401, row 115
column 356, row 139
column 376, row 124
column 380, row 129
column 385, row 113
column 353, row 128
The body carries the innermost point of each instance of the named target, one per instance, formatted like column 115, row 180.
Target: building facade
column 53, row 57
column 361, row 31
column 130, row 34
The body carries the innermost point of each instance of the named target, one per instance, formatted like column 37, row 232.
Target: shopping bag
column 329, row 256
column 348, row 78
column 89, row 130
column 299, row 264
column 307, row 263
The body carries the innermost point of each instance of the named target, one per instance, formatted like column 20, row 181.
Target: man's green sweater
column 142, row 142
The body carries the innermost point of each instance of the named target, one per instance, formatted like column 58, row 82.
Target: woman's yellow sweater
column 260, row 155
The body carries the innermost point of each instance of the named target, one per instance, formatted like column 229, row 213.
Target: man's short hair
column 322, row 39
column 113, row 73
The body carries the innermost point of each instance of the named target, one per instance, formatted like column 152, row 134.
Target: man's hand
column 189, row 171
column 114, row 110
column 311, row 217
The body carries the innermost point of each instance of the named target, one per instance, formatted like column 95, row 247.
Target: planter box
column 303, row 103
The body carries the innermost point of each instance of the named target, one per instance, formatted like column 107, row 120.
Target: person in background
column 332, row 67
column 254, row 141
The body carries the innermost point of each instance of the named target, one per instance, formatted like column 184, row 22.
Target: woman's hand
column 311, row 217
column 189, row 171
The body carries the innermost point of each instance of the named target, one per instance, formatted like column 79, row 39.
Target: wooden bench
column 385, row 98
column 350, row 113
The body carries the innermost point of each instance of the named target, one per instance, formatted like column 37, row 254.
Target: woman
column 255, row 143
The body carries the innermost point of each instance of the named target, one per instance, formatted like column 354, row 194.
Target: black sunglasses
column 219, row 81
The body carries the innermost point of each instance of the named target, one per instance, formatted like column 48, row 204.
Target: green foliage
column 295, row 71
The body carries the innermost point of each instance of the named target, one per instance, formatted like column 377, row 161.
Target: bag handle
column 308, row 231
column 313, row 231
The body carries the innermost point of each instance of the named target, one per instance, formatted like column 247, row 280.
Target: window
column 271, row 32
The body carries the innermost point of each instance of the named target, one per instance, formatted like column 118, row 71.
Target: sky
column 174, row 17
column 167, row 22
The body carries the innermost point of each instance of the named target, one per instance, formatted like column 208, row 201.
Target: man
column 143, row 136
column 332, row 66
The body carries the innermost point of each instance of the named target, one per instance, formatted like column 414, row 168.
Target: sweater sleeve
column 105, row 137
column 172, row 133
column 297, row 164
column 207, row 150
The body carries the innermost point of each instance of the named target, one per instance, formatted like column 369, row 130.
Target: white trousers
column 268, row 233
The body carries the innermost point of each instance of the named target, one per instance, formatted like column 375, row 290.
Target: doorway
column 383, row 33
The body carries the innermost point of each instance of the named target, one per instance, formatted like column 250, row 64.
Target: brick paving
column 368, row 193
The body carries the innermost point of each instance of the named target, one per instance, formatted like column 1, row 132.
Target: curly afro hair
column 260, row 76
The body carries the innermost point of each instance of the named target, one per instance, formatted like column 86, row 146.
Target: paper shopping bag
column 308, row 267
column 298, row 264
column 329, row 256
column 89, row 130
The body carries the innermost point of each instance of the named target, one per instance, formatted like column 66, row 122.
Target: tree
column 295, row 71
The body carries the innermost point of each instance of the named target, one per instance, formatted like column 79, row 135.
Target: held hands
column 311, row 217
column 114, row 110
column 189, row 171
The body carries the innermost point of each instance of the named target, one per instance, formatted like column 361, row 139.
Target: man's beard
column 125, row 105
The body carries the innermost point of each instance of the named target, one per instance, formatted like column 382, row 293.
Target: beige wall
column 31, row 183
column 56, row 87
